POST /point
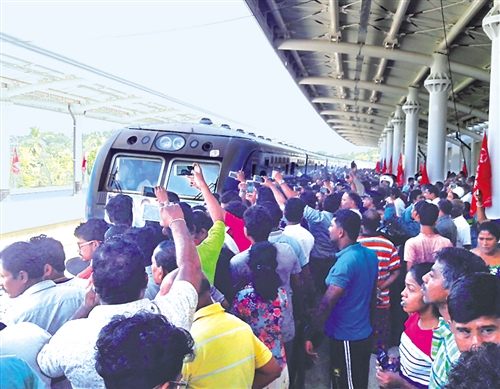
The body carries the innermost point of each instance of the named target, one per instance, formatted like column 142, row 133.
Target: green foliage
column 46, row 158
column 369, row 156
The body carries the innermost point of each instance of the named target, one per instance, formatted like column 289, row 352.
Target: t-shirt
column 210, row 248
column 236, row 231
column 355, row 271
column 304, row 237
column 422, row 248
column 388, row 261
column 319, row 223
column 226, row 351
column 463, row 231
column 415, row 353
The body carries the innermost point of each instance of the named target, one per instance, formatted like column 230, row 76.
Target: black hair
column 474, row 296
column 331, row 203
column 142, row 351
column 188, row 215
column 236, row 208
column 354, row 197
column 119, row 209
column 427, row 212
column 371, row 220
column 294, row 209
column 199, row 208
column 349, row 221
column 263, row 263
column 274, row 210
column 414, row 194
column 445, row 206
column 118, row 271
column 309, row 197
column 173, row 197
column 145, row 239
column 258, row 223
column 201, row 221
column 21, row 256
column 419, row 270
column 476, row 369
column 439, row 185
column 50, row 250
column 265, row 194
column 490, row 227
column 165, row 256
column 456, row 263
column 432, row 189
column 114, row 230
column 92, row 229
column 230, row 195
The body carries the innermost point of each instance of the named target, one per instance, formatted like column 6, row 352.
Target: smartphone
column 184, row 170
column 233, row 175
column 151, row 212
column 250, row 187
column 148, row 191
column 257, row 179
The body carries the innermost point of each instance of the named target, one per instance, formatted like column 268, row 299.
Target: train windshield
column 130, row 174
column 180, row 168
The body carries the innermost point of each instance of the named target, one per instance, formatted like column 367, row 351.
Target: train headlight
column 170, row 142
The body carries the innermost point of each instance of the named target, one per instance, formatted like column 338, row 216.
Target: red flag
column 401, row 174
column 483, row 178
column 425, row 177
column 16, row 165
column 377, row 167
column 384, row 168
column 84, row 163
column 390, row 167
column 464, row 169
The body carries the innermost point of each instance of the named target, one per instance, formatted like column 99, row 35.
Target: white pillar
column 5, row 153
column 397, row 147
column 383, row 149
column 437, row 84
column 389, row 130
column 411, row 108
column 78, row 122
column 473, row 158
column 491, row 26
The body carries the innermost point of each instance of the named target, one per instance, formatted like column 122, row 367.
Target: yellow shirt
column 226, row 351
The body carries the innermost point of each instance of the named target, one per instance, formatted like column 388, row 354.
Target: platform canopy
column 354, row 60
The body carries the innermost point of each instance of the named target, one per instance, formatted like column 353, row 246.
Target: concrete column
column 78, row 122
column 437, row 84
column 473, row 158
column 383, row 150
column 411, row 108
column 491, row 26
column 397, row 148
column 5, row 153
column 389, row 130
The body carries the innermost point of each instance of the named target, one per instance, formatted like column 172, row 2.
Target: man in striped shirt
column 388, row 271
column 451, row 264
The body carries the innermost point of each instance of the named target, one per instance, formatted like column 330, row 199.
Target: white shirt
column 304, row 237
column 463, row 231
column 71, row 351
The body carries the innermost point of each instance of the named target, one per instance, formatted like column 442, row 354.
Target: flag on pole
column 483, row 178
column 464, row 169
column 384, row 168
column 425, row 177
column 401, row 174
column 16, row 165
column 84, row 163
column 390, row 166
column 377, row 167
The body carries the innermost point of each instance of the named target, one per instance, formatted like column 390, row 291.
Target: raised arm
column 213, row 206
column 278, row 177
column 280, row 199
column 187, row 257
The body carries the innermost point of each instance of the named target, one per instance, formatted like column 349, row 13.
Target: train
column 162, row 154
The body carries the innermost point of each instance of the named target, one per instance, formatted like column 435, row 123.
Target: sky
column 211, row 54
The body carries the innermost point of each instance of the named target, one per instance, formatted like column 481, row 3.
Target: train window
column 266, row 162
column 292, row 169
column 131, row 173
column 178, row 182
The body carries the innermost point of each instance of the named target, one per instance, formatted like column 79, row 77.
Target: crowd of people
column 241, row 291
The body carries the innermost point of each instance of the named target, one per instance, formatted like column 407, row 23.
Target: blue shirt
column 355, row 271
column 280, row 237
column 319, row 223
